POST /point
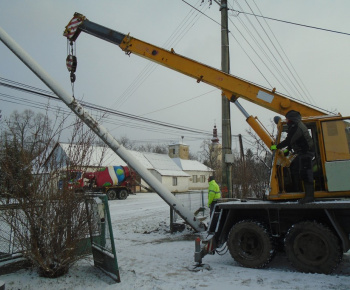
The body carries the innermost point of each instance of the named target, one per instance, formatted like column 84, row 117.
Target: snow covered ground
column 149, row 257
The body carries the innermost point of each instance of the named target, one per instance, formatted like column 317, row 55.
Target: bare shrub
column 50, row 224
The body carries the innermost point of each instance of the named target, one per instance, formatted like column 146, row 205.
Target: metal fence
column 102, row 239
column 195, row 201
column 8, row 241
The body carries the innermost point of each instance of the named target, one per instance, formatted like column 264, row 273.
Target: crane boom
column 231, row 86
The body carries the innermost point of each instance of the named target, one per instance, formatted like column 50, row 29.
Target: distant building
column 215, row 145
column 179, row 150
column 215, row 140
column 177, row 175
column 199, row 173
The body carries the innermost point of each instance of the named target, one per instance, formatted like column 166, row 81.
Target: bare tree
column 126, row 142
column 26, row 136
column 211, row 157
column 194, row 156
column 144, row 147
column 251, row 174
column 49, row 223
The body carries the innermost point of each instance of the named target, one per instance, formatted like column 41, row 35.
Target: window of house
column 174, row 181
column 194, row 179
column 202, row 178
column 173, row 151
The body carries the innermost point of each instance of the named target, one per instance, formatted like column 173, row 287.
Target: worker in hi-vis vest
column 214, row 193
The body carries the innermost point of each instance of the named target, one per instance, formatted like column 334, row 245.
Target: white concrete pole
column 102, row 132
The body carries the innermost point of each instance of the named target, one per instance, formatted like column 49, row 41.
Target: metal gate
column 99, row 240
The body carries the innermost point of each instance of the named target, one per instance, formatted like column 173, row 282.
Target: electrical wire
column 298, row 80
column 291, row 84
column 254, row 50
column 49, row 95
column 238, row 42
column 114, row 112
column 177, row 35
column 153, row 126
column 201, row 12
column 284, row 75
column 293, row 23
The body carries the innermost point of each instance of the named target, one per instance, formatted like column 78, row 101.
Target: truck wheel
column 250, row 244
column 313, row 248
column 123, row 194
column 111, row 194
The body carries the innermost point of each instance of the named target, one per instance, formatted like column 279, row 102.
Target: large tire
column 312, row 247
column 123, row 194
column 250, row 244
column 111, row 194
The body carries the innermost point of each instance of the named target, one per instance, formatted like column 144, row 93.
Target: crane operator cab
column 330, row 165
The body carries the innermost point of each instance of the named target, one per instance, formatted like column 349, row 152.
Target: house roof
column 105, row 156
column 191, row 165
column 164, row 164
column 177, row 173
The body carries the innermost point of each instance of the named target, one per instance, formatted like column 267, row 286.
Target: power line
column 191, row 99
column 198, row 134
column 290, row 83
column 238, row 42
column 201, row 12
column 293, row 23
column 302, row 87
column 49, row 95
column 177, row 35
column 306, row 95
column 284, row 53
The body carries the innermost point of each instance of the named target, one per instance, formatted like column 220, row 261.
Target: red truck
column 115, row 181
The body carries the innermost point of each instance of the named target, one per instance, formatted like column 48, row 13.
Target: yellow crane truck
column 314, row 235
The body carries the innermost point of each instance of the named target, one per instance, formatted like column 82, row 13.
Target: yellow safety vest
column 214, row 192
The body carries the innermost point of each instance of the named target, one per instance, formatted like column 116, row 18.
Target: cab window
column 336, row 137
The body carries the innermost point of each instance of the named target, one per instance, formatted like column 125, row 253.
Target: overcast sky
column 319, row 60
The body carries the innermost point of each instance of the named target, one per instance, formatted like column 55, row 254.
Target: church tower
column 215, row 139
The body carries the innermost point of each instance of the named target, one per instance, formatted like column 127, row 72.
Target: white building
column 198, row 172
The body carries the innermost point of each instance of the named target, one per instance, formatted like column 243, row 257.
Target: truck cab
column 331, row 163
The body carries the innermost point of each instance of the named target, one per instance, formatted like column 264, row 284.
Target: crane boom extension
column 231, row 86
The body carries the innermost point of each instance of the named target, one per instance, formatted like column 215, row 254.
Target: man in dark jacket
column 299, row 140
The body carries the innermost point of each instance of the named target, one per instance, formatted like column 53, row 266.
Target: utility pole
column 225, row 105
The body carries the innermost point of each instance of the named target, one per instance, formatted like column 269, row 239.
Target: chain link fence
column 196, row 202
